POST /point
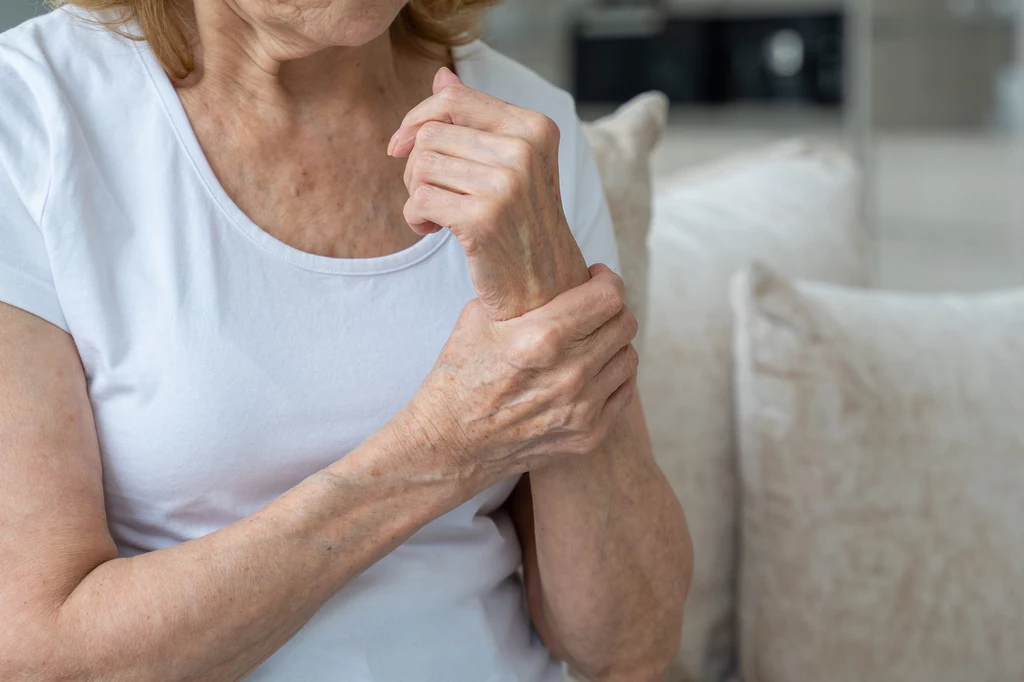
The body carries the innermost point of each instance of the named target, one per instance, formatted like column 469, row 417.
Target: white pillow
column 794, row 206
column 882, row 465
column 622, row 144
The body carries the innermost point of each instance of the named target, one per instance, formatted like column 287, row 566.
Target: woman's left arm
column 606, row 551
column 607, row 557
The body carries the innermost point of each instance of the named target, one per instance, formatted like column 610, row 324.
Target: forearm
column 216, row 607
column 613, row 556
column 607, row 554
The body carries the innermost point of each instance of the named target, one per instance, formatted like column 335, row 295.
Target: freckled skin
column 294, row 103
column 317, row 180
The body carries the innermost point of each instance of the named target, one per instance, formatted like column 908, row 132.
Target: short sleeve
column 590, row 221
column 26, row 281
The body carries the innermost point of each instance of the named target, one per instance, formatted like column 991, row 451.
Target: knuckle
column 632, row 359
column 411, row 211
column 520, row 152
column 613, row 295
column 423, row 195
column 485, row 215
column 543, row 129
column 429, row 131
column 571, row 383
column 507, row 182
column 549, row 342
column 619, row 284
column 632, row 324
column 539, row 345
column 453, row 93
column 427, row 162
column 631, row 392
column 409, row 173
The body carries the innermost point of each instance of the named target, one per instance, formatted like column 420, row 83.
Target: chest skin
column 334, row 199
column 316, row 176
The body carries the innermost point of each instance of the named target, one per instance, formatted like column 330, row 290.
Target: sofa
column 851, row 460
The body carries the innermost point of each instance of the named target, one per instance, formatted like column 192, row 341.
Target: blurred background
column 921, row 91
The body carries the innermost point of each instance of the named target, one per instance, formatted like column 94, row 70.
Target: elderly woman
column 254, row 426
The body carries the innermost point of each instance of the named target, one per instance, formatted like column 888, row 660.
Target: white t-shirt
column 224, row 366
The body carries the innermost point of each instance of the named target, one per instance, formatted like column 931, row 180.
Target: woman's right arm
column 209, row 609
column 503, row 398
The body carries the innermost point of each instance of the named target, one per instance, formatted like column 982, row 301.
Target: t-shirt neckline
column 380, row 265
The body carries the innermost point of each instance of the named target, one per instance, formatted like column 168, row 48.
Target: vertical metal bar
column 1017, row 98
column 859, row 109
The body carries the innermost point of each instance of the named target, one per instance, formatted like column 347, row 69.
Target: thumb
column 444, row 78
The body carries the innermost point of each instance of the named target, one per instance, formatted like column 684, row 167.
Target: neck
column 267, row 70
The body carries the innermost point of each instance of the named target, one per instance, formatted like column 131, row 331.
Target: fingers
column 617, row 371
column 584, row 309
column 471, row 145
column 610, row 391
column 429, row 207
column 445, row 77
column 456, row 104
column 608, row 341
column 461, row 176
column 618, row 401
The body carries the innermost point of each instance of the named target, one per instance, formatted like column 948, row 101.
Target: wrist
column 408, row 459
column 575, row 272
column 571, row 268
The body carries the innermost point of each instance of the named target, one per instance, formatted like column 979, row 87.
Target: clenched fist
column 488, row 171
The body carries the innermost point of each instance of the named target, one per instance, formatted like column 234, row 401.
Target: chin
column 350, row 23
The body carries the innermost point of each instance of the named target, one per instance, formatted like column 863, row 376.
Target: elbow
column 655, row 654
column 649, row 665
column 682, row 562
column 35, row 662
column 648, row 657
column 681, row 590
column 44, row 665
column 685, row 566
column 42, row 649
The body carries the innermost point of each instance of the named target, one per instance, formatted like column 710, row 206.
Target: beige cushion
column 794, row 206
column 622, row 144
column 883, row 484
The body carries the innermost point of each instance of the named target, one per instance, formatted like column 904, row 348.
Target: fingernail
column 447, row 75
column 393, row 142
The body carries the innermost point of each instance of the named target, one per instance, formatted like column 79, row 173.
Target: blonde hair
column 167, row 25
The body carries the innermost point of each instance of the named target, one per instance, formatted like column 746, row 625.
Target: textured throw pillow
column 795, row 206
column 882, row 463
column 622, row 144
